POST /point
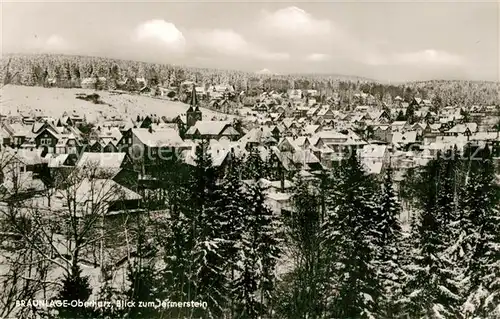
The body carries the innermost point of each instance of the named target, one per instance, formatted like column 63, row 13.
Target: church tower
column 193, row 114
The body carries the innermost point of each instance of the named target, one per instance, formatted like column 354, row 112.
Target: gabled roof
column 324, row 110
column 26, row 156
column 111, row 132
column 311, row 129
column 312, row 111
column 156, row 138
column 404, row 138
column 208, row 128
column 373, row 151
column 218, row 153
column 461, row 128
column 58, row 160
column 101, row 160
column 102, row 190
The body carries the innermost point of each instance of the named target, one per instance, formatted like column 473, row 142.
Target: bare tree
column 54, row 241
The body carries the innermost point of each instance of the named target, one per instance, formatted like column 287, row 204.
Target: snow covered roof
column 58, row 160
column 28, row 157
column 461, row 128
column 483, row 136
column 99, row 191
column 111, row 132
column 373, row 151
column 324, row 111
column 209, row 127
column 101, row 160
column 157, row 138
column 218, row 155
column 311, row 129
column 404, row 138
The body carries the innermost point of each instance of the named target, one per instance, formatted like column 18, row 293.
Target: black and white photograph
column 249, row 159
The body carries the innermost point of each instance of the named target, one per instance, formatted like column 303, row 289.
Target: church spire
column 194, row 100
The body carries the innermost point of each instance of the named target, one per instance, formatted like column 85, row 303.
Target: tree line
column 68, row 71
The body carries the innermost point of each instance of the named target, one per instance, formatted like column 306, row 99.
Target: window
column 46, row 141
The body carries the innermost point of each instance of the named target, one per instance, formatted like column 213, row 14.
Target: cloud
column 51, row 44
column 293, row 21
column 55, row 42
column 161, row 32
column 317, row 57
column 230, row 43
column 427, row 57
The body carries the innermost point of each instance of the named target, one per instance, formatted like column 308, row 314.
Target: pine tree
column 75, row 287
column 300, row 293
column 268, row 245
column 207, row 260
column 480, row 206
column 255, row 166
column 142, row 289
column 177, row 238
column 348, row 234
column 142, row 277
column 260, row 250
column 389, row 258
column 432, row 287
column 230, row 203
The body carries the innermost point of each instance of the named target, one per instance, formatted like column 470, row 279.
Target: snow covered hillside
column 54, row 101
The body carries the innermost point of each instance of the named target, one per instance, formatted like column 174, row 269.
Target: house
column 21, row 171
column 47, row 139
column 61, row 166
column 5, row 137
column 380, row 116
column 279, row 109
column 300, row 111
column 326, row 113
column 382, row 133
column 146, row 90
column 212, row 130
column 259, row 136
column 146, row 146
column 128, row 84
column 466, row 129
column 93, row 83
column 312, row 112
column 115, row 166
column 295, row 94
column 67, row 144
column 373, row 158
column 225, row 106
column 96, row 146
column 397, row 126
column 311, row 129
column 404, row 140
column 111, row 196
column 416, row 102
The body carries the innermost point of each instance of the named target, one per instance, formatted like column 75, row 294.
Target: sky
column 386, row 41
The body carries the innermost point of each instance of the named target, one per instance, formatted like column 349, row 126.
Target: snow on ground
column 54, row 101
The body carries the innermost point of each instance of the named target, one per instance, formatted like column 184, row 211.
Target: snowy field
column 54, row 101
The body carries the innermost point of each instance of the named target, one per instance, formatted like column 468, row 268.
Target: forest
column 340, row 252
column 69, row 71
